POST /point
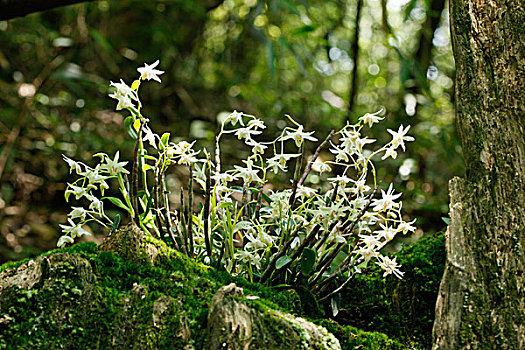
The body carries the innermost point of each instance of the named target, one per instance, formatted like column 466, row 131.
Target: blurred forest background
column 323, row 62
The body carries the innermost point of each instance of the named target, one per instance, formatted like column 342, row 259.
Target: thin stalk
column 314, row 157
column 279, row 254
column 221, row 254
column 346, row 265
column 298, row 167
column 337, row 290
column 166, row 208
column 330, row 257
column 207, row 199
column 189, row 211
column 325, row 237
column 244, row 200
column 259, row 202
column 135, row 176
column 156, row 202
column 269, row 269
column 182, row 221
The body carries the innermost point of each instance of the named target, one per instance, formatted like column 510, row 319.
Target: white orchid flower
column 149, row 72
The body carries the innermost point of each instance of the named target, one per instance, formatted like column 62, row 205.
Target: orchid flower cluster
column 300, row 234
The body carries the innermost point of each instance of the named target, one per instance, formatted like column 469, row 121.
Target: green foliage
column 403, row 309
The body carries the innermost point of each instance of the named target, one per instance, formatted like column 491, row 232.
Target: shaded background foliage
column 323, row 62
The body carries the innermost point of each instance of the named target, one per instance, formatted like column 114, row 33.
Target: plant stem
column 207, row 199
column 183, row 222
column 314, row 157
column 135, row 176
column 298, row 166
column 271, row 266
column 330, row 257
column 189, row 211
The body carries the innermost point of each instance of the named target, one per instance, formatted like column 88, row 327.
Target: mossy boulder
column 134, row 292
column 234, row 323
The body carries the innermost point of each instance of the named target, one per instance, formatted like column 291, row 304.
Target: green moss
column 92, row 314
column 352, row 338
column 100, row 299
column 122, row 297
column 403, row 309
column 81, row 248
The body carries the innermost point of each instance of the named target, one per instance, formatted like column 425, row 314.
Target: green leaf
column 266, row 198
column 363, row 265
column 165, row 138
column 405, row 71
column 128, row 124
column 304, row 30
column 339, row 258
column 236, row 188
column 118, row 203
column 282, row 261
column 308, row 258
column 149, row 204
column 145, row 156
column 408, row 8
column 225, row 205
column 446, row 220
column 116, row 222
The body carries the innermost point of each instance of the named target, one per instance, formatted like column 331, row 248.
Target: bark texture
column 481, row 303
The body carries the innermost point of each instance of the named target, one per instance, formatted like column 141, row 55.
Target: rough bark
column 481, row 303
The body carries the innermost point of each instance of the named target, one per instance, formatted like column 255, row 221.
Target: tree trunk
column 481, row 302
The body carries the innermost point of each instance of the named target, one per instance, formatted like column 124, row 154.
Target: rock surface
column 235, row 325
column 133, row 292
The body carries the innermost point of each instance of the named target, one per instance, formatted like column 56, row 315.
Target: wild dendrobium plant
column 296, row 235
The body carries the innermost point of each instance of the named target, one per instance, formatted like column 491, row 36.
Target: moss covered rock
column 134, row 292
column 234, row 323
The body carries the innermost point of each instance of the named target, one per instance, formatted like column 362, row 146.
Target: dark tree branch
column 355, row 56
column 18, row 8
column 433, row 18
